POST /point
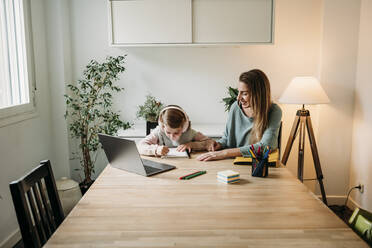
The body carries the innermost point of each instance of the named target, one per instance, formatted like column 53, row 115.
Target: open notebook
column 173, row 153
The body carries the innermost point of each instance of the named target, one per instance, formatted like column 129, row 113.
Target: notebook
column 173, row 153
column 273, row 157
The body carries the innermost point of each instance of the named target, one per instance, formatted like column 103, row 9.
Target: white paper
column 173, row 153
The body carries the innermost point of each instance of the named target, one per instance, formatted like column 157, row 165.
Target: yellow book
column 273, row 157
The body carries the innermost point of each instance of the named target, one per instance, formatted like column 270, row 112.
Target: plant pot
column 84, row 187
column 149, row 126
column 69, row 193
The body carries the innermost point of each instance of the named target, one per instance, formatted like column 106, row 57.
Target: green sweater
column 238, row 129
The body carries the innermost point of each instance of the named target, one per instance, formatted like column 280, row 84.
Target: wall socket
column 361, row 190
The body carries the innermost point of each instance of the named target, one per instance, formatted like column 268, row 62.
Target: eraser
column 228, row 176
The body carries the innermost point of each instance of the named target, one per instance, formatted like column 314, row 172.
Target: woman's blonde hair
column 260, row 97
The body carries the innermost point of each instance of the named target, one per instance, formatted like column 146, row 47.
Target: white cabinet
column 189, row 22
column 150, row 21
column 232, row 21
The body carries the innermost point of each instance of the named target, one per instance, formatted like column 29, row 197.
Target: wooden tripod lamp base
column 302, row 123
column 304, row 90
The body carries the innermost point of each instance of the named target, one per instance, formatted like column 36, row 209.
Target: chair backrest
column 280, row 138
column 38, row 214
column 361, row 222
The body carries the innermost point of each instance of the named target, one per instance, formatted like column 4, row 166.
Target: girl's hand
column 209, row 156
column 212, row 145
column 184, row 147
column 162, row 150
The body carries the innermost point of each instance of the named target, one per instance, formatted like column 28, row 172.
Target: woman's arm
column 200, row 142
column 222, row 154
column 269, row 138
column 224, row 140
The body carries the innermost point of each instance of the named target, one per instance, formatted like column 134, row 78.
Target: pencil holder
column 260, row 167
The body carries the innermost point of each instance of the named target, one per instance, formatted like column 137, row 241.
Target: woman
column 253, row 119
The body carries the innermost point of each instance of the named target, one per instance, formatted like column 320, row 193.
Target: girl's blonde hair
column 260, row 97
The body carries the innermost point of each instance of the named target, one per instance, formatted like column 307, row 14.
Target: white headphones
column 186, row 125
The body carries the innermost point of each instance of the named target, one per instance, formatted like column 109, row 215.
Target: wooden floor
column 127, row 210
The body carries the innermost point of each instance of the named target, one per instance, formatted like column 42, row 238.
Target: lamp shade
column 304, row 90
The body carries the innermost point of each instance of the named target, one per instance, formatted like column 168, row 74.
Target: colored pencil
column 183, row 177
column 195, row 175
column 266, row 154
column 251, row 152
column 188, row 153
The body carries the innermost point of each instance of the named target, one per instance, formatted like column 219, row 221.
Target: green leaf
column 228, row 101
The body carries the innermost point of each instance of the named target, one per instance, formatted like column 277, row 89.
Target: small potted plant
column 149, row 111
column 228, row 101
column 89, row 110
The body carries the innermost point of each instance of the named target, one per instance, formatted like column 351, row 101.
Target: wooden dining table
column 122, row 209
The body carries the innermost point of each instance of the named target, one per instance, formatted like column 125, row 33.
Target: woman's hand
column 209, row 156
column 162, row 150
column 184, row 147
column 212, row 145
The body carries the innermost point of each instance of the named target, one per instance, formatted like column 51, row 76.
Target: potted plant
column 89, row 108
column 228, row 101
column 149, row 111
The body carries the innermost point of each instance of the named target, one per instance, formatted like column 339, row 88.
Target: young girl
column 174, row 130
column 253, row 120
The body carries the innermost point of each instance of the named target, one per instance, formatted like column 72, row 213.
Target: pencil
column 188, row 153
column 183, row 177
column 251, row 152
column 195, row 175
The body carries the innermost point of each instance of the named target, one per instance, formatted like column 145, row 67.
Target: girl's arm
column 149, row 145
column 200, row 142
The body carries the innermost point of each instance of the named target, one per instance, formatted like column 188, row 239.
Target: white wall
column 59, row 72
column 24, row 144
column 196, row 78
column 337, row 74
column 361, row 157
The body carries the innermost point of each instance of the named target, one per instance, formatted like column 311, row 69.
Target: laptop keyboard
column 152, row 166
column 150, row 163
column 150, row 169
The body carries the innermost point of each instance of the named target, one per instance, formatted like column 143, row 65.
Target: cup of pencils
column 260, row 161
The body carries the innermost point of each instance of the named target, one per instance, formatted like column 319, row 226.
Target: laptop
column 123, row 154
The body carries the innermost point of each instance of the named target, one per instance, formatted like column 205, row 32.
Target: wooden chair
column 38, row 214
column 277, row 163
column 361, row 223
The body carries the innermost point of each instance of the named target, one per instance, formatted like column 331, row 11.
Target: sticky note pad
column 228, row 176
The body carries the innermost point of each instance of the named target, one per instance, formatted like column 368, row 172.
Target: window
column 16, row 71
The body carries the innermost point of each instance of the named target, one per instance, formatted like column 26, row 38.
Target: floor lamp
column 304, row 90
